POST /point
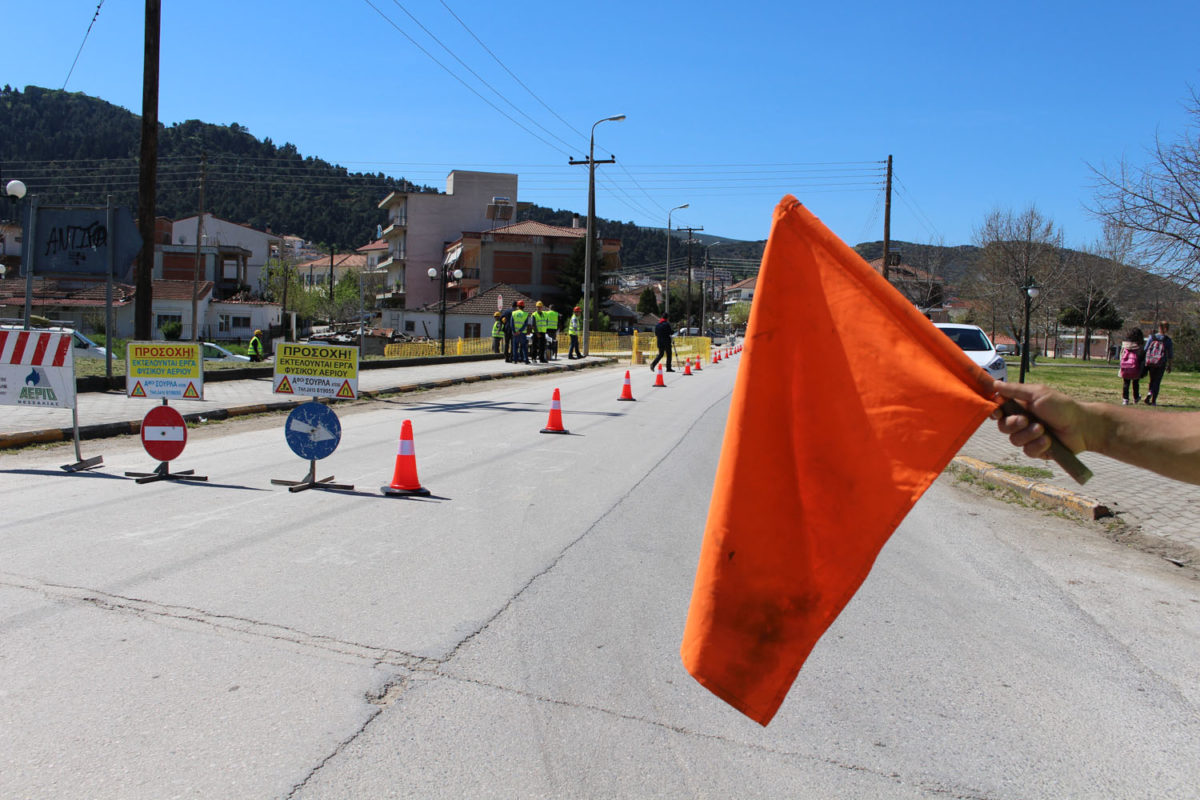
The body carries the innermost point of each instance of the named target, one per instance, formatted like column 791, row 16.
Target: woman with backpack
column 1133, row 363
column 1159, row 352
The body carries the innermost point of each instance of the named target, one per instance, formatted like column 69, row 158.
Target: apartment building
column 421, row 224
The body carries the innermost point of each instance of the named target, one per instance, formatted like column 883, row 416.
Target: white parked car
column 82, row 346
column 213, row 352
column 978, row 346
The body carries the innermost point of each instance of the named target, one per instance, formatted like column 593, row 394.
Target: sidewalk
column 1156, row 507
column 1162, row 511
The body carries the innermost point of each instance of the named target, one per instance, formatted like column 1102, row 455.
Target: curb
column 104, row 430
column 1045, row 493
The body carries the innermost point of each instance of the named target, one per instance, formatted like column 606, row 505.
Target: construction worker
column 662, row 335
column 497, row 331
column 506, row 318
column 540, row 323
column 520, row 324
column 574, row 327
column 255, row 349
column 552, row 331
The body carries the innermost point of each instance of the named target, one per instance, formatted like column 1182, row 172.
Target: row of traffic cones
column 405, row 482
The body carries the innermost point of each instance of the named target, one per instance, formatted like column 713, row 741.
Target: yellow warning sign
column 164, row 369
column 316, row 370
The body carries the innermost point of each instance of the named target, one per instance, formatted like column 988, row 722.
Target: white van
column 83, row 347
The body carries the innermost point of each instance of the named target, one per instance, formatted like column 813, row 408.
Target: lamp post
column 591, row 228
column 445, row 274
column 15, row 191
column 667, row 276
column 1030, row 290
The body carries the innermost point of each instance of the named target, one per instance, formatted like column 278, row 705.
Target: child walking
column 1133, row 364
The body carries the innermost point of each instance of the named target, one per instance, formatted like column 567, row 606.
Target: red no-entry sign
column 163, row 433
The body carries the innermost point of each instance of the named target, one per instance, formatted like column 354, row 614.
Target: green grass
column 1098, row 381
column 93, row 367
column 1033, row 473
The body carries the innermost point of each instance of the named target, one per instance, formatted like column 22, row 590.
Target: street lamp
column 591, row 227
column 15, row 191
column 667, row 276
column 445, row 274
column 1030, row 290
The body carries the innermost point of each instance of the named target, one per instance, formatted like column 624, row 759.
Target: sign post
column 312, row 429
column 166, row 370
column 164, row 435
column 37, row 368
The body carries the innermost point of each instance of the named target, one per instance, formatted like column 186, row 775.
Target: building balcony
column 395, row 225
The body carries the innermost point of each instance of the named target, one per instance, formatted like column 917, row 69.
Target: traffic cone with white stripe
column 698, row 360
column 404, row 479
column 554, row 424
column 627, row 389
column 658, row 381
column 687, row 367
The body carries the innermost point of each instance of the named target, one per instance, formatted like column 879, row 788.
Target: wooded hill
column 70, row 148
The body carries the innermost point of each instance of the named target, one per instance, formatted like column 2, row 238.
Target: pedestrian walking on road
column 1133, row 364
column 662, row 334
column 574, row 326
column 1160, row 350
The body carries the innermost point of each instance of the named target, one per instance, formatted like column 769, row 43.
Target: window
column 163, row 319
column 512, row 267
column 470, row 330
column 227, row 323
column 409, row 326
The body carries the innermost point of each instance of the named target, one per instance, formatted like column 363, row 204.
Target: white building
column 218, row 232
column 420, row 225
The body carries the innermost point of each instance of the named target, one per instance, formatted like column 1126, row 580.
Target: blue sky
column 729, row 105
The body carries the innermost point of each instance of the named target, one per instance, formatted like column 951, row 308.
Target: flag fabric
column 848, row 404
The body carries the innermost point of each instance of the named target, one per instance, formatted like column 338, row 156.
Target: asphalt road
column 517, row 634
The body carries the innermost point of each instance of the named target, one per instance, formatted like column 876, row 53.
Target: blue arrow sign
column 313, row 431
column 74, row 240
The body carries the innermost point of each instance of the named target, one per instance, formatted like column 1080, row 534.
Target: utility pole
column 199, row 234
column 147, row 174
column 687, row 323
column 887, row 220
column 591, row 224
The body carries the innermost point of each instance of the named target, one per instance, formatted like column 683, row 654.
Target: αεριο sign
column 37, row 368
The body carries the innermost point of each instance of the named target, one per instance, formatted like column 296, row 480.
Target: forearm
column 1164, row 442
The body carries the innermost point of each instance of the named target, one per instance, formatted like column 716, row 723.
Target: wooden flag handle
column 1058, row 451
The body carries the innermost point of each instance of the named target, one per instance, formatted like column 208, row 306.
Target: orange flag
column 847, row 406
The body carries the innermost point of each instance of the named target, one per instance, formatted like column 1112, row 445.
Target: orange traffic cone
column 698, row 359
column 717, row 357
column 404, row 479
column 687, row 367
column 554, row 424
column 627, row 389
column 658, row 381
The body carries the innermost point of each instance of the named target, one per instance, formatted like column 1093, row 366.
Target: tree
column 570, row 281
column 1097, row 278
column 1017, row 250
column 1159, row 203
column 739, row 314
column 647, row 302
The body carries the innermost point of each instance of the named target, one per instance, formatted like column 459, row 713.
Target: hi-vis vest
column 518, row 319
column 575, row 325
column 552, row 320
column 540, row 321
column 497, row 330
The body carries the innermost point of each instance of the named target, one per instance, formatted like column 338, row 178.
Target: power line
column 81, row 44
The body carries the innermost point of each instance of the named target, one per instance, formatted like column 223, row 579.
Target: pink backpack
column 1131, row 366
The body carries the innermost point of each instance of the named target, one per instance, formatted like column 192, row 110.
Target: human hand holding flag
column 848, row 405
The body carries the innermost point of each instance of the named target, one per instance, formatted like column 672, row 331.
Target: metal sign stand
column 311, row 482
column 81, row 463
column 164, row 417
column 163, row 473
